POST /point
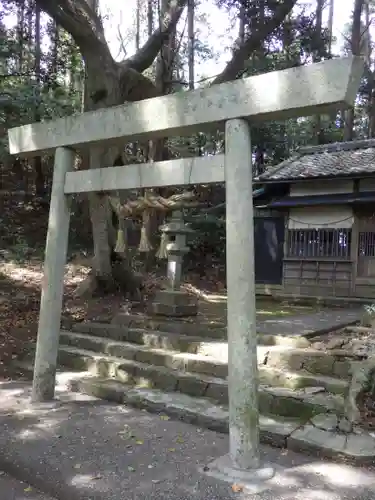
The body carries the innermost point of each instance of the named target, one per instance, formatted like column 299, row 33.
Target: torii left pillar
column 53, row 282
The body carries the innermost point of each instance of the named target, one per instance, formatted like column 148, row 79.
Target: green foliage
column 25, row 95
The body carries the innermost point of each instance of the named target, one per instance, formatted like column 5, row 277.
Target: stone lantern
column 173, row 301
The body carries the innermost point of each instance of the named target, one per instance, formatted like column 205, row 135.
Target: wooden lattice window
column 366, row 244
column 314, row 243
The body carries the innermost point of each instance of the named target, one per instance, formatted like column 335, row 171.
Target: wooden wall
column 323, row 277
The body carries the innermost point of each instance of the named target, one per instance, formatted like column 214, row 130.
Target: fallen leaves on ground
column 20, row 289
column 366, row 405
column 237, row 488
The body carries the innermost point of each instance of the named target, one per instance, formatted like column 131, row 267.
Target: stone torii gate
column 318, row 88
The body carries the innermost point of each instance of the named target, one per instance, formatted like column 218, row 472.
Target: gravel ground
column 84, row 449
column 12, row 489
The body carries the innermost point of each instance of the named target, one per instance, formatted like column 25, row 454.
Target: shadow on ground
column 82, row 448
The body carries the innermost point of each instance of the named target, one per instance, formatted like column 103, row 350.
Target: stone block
column 218, row 392
column 191, row 385
column 174, row 311
column 325, row 421
column 174, row 297
column 291, row 407
column 319, row 364
column 285, row 359
column 126, row 372
column 317, row 441
column 359, row 449
column 206, row 366
column 156, row 358
column 265, row 402
column 341, row 369
column 275, row 432
column 345, row 425
column 174, row 303
column 104, row 389
column 157, row 377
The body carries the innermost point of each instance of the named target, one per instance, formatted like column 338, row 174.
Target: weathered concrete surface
column 83, row 449
column 308, row 325
column 200, row 170
column 315, row 323
column 12, row 489
column 295, row 92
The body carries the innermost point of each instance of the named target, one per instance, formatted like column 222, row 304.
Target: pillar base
column 251, row 480
column 174, row 303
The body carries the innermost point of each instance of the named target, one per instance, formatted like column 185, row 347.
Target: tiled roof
column 330, row 160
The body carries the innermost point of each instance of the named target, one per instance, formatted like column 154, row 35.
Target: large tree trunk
column 106, row 88
column 102, row 89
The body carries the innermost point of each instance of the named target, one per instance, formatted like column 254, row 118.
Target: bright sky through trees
column 215, row 33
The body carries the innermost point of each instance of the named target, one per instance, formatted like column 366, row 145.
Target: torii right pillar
column 242, row 341
column 243, row 463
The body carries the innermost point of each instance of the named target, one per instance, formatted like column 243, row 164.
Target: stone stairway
column 184, row 376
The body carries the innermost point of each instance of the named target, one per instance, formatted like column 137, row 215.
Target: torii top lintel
column 302, row 91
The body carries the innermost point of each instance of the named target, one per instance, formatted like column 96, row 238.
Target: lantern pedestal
column 175, row 303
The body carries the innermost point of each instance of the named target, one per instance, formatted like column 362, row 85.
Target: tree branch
column 146, row 55
column 254, row 42
column 81, row 21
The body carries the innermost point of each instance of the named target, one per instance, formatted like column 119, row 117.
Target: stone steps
column 150, row 338
column 173, row 340
column 198, row 411
column 276, row 431
column 332, row 364
column 199, row 327
column 168, row 358
column 195, row 363
column 301, row 404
